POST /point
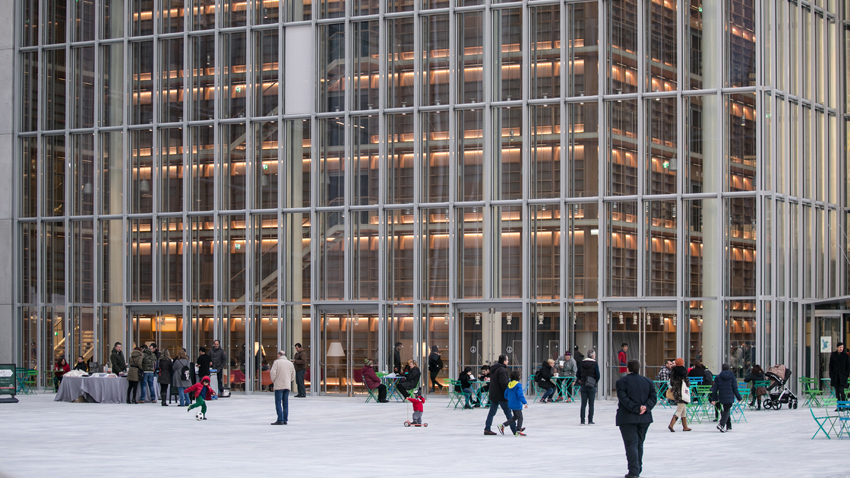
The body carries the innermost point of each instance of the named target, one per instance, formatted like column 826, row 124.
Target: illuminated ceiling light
column 477, row 319
column 540, row 318
column 446, row 320
column 621, row 319
column 634, row 319
column 508, row 319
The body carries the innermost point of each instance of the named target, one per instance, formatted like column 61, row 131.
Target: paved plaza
column 346, row 437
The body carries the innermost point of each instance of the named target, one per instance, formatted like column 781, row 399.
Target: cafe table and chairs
column 565, row 386
column 812, row 391
column 390, row 381
column 661, row 392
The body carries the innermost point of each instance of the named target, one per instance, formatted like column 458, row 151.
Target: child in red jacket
column 204, row 392
column 418, row 401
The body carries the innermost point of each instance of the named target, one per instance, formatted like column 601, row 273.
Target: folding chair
column 739, row 406
column 823, row 421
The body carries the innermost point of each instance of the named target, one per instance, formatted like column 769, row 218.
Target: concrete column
column 713, row 44
column 113, row 146
column 7, row 223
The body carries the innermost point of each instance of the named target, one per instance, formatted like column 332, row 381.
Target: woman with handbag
column 678, row 390
column 756, row 375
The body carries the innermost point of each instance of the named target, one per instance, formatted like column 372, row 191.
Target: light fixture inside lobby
column 446, row 319
column 621, row 319
column 634, row 319
column 540, row 318
column 477, row 319
column 508, row 319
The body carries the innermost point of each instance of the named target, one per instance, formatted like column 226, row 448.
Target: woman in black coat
column 839, row 370
column 756, row 375
column 165, row 376
column 411, row 381
column 544, row 380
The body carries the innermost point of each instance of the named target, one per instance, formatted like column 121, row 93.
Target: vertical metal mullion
column 489, row 143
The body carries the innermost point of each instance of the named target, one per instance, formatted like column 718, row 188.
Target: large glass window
column 546, row 252
column 365, row 257
column 265, row 232
column 233, row 154
column 400, row 62
column 170, row 265
column 83, row 87
column 507, row 71
column 622, row 248
column 331, row 162
column 470, row 161
column 55, row 71
column 366, row 79
column 111, row 89
column 623, row 130
column 545, row 151
column 661, row 256
column 436, row 172
column 202, row 261
column 234, row 258
column 82, row 174
column 507, row 160
column 581, row 249
column 201, row 168
column 141, row 260
column 741, row 246
column 141, row 82
column 234, row 88
column 53, row 176
column 331, row 67
column 29, row 91
column 400, row 254
column 265, row 165
column 28, row 185
column 365, row 159
column 202, row 79
column 435, row 231
column 661, row 145
column 470, row 252
column 171, row 80
column 470, row 62
column 171, row 170
column 331, row 249
column 623, row 46
column 435, row 60
column 546, row 52
column 141, row 156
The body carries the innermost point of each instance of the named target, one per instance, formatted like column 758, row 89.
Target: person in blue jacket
column 516, row 402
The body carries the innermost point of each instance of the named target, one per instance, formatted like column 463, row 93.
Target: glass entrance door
column 827, row 336
column 347, row 339
column 486, row 334
column 647, row 335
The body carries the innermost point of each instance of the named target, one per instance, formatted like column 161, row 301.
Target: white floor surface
column 346, row 437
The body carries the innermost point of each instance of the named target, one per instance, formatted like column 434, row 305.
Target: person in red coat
column 372, row 382
column 59, row 370
column 623, row 359
column 418, row 402
column 203, row 393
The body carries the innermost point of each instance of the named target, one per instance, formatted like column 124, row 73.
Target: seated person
column 265, row 366
column 81, row 364
column 411, row 380
column 484, row 376
column 465, row 387
column 372, row 382
column 543, row 379
column 697, row 371
column 756, row 375
column 568, row 368
column 59, row 370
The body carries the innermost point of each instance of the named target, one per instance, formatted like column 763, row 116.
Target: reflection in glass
column 365, row 66
column 741, row 246
column 546, row 151
column 546, row 52
column 141, row 82
column 661, row 258
column 141, row 260
column 331, row 162
column 507, row 160
column 623, row 167
column 141, row 156
column 400, row 257
column 141, row 17
column 201, row 263
column 171, row 18
column 331, row 260
column 202, row 79
column 435, row 60
column 266, row 73
column 741, row 110
column 171, row 170
column 470, row 252
column 265, row 251
column 546, row 252
column 331, row 67
column 234, row 261
column 470, row 48
column 53, row 178
column 622, row 46
column 233, row 79
column 232, row 157
column 265, row 165
column 661, row 144
column 54, row 91
column 83, row 87
column 171, row 80
column 435, row 175
column 507, row 71
column 201, row 168
column 435, row 241
column 582, row 48
column 400, row 160
column 82, row 174
column 622, row 248
column 171, row 259
column 400, row 62
column 470, row 124
column 28, row 185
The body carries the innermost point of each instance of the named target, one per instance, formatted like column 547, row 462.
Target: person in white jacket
column 282, row 375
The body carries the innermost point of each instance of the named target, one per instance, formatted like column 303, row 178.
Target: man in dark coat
column 397, row 357
column 498, row 384
column 839, row 370
column 634, row 414
column 725, row 391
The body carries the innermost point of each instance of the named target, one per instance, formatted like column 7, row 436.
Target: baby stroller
column 778, row 391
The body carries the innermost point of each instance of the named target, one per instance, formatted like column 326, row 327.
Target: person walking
column 116, row 359
column 679, row 383
column 623, row 357
column 544, row 381
column 725, row 389
column 839, row 370
column 165, row 376
column 300, row 361
column 435, row 365
column 636, row 395
column 148, row 367
column 219, row 361
column 181, row 378
column 516, row 402
column 588, row 377
column 282, row 374
column 498, row 384
column 134, row 374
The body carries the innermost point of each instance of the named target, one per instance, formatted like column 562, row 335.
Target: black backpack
column 184, row 373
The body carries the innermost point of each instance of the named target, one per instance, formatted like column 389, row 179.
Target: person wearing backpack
column 182, row 378
column 148, row 367
column 588, row 378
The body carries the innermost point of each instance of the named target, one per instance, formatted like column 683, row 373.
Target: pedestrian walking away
column 181, row 378
column 636, row 395
column 282, row 375
column 678, row 390
column 516, row 402
column 435, row 365
column 165, row 376
column 588, row 377
column 498, row 384
column 203, row 392
column 725, row 391
column 300, row 360
column 218, row 360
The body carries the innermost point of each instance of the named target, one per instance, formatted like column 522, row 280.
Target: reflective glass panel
column 233, row 155
column 331, row 162
column 400, row 62
column 171, row 80
column 470, row 174
column 436, row 175
column 507, row 160
column 435, row 60
column 141, row 260
column 470, row 63
column 546, row 151
column 82, row 174
column 141, row 154
column 266, row 73
column 623, row 167
column 83, row 87
column 470, row 252
column 53, row 176
column 622, row 248
column 400, row 159
column 171, row 170
column 202, row 79
column 234, row 89
column 507, row 71
column 546, row 52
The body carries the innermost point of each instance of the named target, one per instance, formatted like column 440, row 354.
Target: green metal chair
column 811, row 390
column 822, row 422
column 754, row 388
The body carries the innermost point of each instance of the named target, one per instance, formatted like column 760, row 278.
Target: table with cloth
column 95, row 389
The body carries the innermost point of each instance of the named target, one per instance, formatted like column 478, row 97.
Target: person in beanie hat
column 204, row 393
column 372, row 382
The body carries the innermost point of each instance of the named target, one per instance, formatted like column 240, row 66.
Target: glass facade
column 486, row 177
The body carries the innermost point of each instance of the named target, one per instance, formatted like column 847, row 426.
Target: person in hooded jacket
column 679, row 378
column 588, row 377
column 165, row 372
column 839, row 370
column 498, row 384
column 178, row 381
column 725, row 389
column 543, row 378
column 516, row 402
column 134, row 374
column 203, row 392
column 371, row 380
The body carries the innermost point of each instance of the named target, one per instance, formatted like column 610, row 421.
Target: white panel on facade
column 299, row 82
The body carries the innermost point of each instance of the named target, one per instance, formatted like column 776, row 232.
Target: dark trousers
column 588, row 396
column 434, row 382
column 839, row 394
column 494, row 407
column 218, row 374
column 633, row 436
column 402, row 391
column 517, row 418
column 163, row 391
column 382, row 392
column 724, row 416
column 131, row 391
column 299, row 381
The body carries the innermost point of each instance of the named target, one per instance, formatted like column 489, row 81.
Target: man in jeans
column 219, row 360
column 282, row 374
column 148, row 367
column 498, row 384
column 300, row 361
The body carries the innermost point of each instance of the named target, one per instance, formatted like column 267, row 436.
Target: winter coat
column 623, row 359
column 515, row 396
column 418, row 403
column 435, row 363
column 588, row 368
column 60, row 370
column 176, row 368
column 725, row 388
column 196, row 388
column 412, row 379
column 116, row 362
column 81, row 366
column 134, row 373
column 570, row 367
column 282, row 374
column 300, row 360
column 148, row 360
column 754, row 377
column 634, row 390
column 370, row 378
column 839, row 369
column 544, row 376
column 204, row 362
column 678, row 376
column 165, row 371
column 464, row 379
column 498, row 382
column 218, row 357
